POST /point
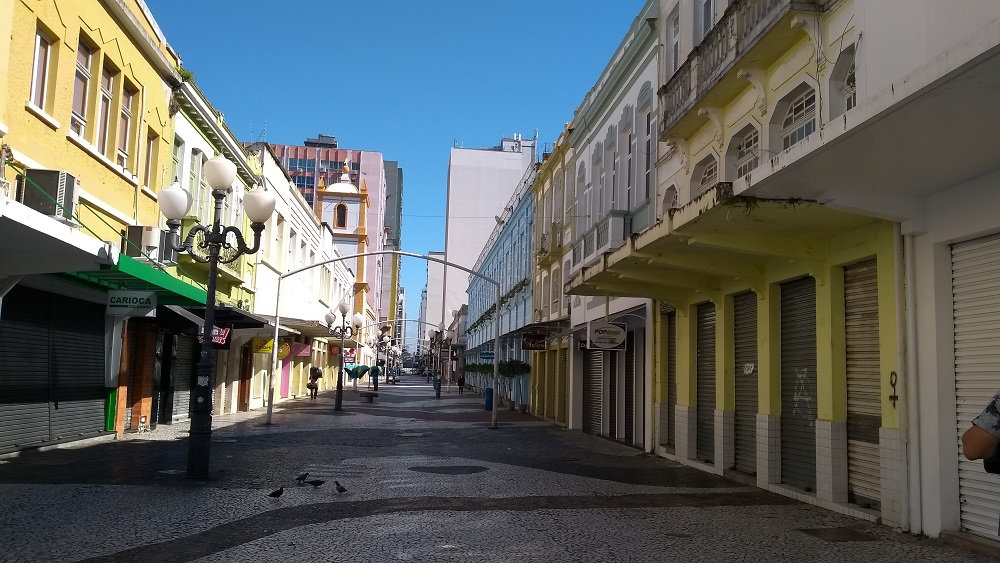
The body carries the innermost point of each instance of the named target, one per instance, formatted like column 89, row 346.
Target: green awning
column 131, row 274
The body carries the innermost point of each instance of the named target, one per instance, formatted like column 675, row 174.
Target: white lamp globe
column 259, row 204
column 220, row 173
column 174, row 202
column 330, row 318
column 343, row 308
column 357, row 320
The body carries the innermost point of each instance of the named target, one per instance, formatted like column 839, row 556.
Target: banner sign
column 533, row 341
column 220, row 337
column 299, row 349
column 132, row 303
column 606, row 336
column 263, row 346
column 350, row 356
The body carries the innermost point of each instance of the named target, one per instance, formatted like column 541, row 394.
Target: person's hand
column 978, row 443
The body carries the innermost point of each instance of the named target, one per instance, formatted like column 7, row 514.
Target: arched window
column 709, row 174
column 670, row 200
column 800, row 119
column 747, row 153
column 843, row 84
column 340, row 216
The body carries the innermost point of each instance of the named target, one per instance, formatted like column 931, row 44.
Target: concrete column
column 831, row 461
column 892, row 450
column 686, row 426
column 768, row 449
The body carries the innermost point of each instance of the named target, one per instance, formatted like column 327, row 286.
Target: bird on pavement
column 302, row 477
column 340, row 488
column 316, row 482
column 276, row 494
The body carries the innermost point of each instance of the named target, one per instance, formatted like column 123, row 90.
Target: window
column 707, row 17
column 81, row 89
column 40, row 70
column 709, row 175
column 850, row 88
column 560, row 205
column 670, row 199
column 175, row 163
column 648, row 180
column 104, row 117
column 747, row 153
column 150, row 164
column 800, row 119
column 125, row 125
column 340, row 216
column 628, row 174
column 614, row 176
column 675, row 42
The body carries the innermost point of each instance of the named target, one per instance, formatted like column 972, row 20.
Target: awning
column 131, row 274
column 312, row 329
column 232, row 317
column 32, row 243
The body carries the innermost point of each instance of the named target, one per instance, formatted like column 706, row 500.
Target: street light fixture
column 342, row 331
column 174, row 203
column 381, row 343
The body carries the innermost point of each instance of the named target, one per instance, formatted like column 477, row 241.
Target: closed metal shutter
column 798, row 383
column 864, row 406
column 640, row 395
column 24, row 370
column 77, row 368
column 630, row 387
column 976, row 294
column 705, row 348
column 745, row 353
column 550, row 384
column 671, row 375
column 182, row 374
column 563, row 384
column 593, row 371
column 613, row 395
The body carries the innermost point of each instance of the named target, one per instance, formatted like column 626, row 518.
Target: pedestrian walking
column 314, row 376
column 980, row 441
column 461, row 383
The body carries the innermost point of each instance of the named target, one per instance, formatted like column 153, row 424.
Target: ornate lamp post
column 381, row 343
column 342, row 331
column 215, row 242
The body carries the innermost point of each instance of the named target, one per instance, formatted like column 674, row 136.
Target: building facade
column 507, row 259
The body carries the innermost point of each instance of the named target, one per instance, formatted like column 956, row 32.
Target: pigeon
column 340, row 488
column 316, row 482
column 302, row 477
column 276, row 494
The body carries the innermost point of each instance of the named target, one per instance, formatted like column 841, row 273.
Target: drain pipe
column 913, row 500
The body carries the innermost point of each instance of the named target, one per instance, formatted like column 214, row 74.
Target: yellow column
column 725, row 377
column 686, row 356
column 769, row 350
column 831, row 366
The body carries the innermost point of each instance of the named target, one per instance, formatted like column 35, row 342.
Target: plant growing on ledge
column 750, row 203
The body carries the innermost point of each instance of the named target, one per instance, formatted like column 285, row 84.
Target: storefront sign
column 334, row 350
column 132, row 303
column 606, row 336
column 299, row 350
column 220, row 337
column 350, row 356
column 532, row 341
column 263, row 346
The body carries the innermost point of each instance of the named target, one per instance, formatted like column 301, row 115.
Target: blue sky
column 402, row 77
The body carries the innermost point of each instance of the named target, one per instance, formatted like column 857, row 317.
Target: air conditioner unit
column 44, row 189
column 153, row 242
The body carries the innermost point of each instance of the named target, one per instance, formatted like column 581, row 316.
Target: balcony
column 607, row 235
column 549, row 246
column 759, row 31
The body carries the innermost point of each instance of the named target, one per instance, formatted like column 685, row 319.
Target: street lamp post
column 342, row 331
column 381, row 343
column 174, row 203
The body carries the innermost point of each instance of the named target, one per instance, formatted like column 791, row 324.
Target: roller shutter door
column 798, row 383
column 864, row 406
column 593, row 371
column 671, row 374
column 630, row 387
column 976, row 294
column 563, row 383
column 182, row 375
column 613, row 395
column 24, row 370
column 77, row 368
column 705, row 347
column 745, row 354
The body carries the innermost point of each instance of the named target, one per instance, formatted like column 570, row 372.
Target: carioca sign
column 132, row 303
column 606, row 336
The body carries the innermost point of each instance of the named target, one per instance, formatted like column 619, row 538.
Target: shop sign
column 350, row 356
column 263, row 346
column 220, row 336
column 606, row 336
column 299, row 350
column 533, row 341
column 132, row 303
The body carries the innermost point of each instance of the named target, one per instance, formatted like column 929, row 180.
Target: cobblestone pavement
column 427, row 481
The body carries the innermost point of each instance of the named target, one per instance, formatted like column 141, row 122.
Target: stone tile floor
column 427, row 481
